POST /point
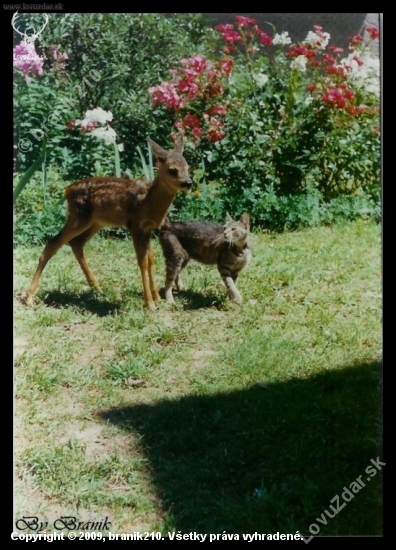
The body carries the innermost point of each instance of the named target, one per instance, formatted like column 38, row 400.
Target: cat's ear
column 228, row 217
column 245, row 219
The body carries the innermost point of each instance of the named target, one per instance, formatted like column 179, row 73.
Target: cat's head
column 236, row 231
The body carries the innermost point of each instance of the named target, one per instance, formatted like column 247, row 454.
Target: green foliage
column 26, row 177
column 112, row 59
column 290, row 137
column 268, row 159
column 40, row 212
column 279, row 212
column 147, row 166
column 206, row 203
column 210, row 201
column 280, row 147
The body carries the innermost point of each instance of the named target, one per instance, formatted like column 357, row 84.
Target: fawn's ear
column 228, row 217
column 245, row 219
column 179, row 144
column 158, row 151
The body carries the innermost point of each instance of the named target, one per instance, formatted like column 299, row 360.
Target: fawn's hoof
column 96, row 287
column 150, row 306
column 28, row 299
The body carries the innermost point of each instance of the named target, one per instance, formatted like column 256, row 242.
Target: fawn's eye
column 173, row 171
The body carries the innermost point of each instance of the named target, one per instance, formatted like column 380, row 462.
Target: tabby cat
column 226, row 245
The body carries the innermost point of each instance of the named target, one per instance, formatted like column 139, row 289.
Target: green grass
column 205, row 416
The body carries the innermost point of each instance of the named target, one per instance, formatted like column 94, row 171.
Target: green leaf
column 117, row 161
column 29, row 173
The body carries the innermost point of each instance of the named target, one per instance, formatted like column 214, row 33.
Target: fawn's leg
column 229, row 279
column 151, row 272
column 77, row 244
column 141, row 243
column 69, row 231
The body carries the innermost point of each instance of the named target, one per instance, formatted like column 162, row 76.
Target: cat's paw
column 237, row 299
column 180, row 287
column 169, row 296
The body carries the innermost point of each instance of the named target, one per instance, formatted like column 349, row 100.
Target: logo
column 28, row 39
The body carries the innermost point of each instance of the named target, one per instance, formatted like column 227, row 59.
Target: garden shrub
column 97, row 60
column 284, row 128
column 286, row 131
column 41, row 209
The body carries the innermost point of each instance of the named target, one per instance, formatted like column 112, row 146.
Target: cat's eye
column 173, row 171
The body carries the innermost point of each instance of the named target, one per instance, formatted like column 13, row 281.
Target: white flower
column 351, row 65
column 260, row 79
column 120, row 147
column 373, row 87
column 299, row 63
column 316, row 40
column 366, row 73
column 97, row 115
column 281, row 39
column 106, row 133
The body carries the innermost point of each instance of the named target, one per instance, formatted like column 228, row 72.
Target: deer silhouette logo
column 32, row 38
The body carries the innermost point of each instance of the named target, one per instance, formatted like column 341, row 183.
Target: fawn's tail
column 166, row 224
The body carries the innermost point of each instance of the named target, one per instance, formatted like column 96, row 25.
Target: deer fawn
column 139, row 205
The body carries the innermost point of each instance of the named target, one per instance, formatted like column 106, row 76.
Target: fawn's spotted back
column 226, row 246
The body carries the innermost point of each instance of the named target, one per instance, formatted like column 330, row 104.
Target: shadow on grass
column 89, row 301
column 266, row 460
column 192, row 300
column 94, row 302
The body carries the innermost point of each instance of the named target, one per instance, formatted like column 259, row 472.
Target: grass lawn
column 204, row 416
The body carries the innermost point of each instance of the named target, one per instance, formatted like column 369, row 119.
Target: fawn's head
column 172, row 166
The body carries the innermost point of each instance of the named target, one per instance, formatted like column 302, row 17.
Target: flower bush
column 279, row 128
column 274, row 119
column 197, row 85
column 27, row 60
column 96, row 123
column 80, row 62
column 87, row 60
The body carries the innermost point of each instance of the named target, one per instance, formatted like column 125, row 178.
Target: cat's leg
column 173, row 267
column 179, row 284
column 169, row 279
column 174, row 255
column 229, row 280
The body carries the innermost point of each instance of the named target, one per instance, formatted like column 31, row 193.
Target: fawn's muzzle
column 186, row 184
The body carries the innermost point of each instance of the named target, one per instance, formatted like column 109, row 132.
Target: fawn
column 139, row 205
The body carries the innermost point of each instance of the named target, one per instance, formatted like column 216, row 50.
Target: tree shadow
column 266, row 458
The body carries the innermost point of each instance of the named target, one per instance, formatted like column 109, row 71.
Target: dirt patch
column 20, row 345
column 81, row 334
column 201, row 358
